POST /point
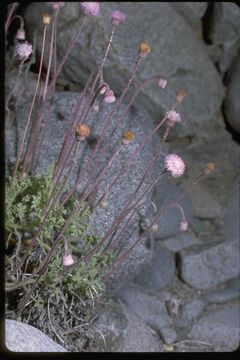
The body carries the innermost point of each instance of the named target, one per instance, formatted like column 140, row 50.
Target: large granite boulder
column 178, row 54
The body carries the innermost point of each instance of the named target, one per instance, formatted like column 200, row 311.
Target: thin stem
column 7, row 24
column 32, row 105
column 50, row 56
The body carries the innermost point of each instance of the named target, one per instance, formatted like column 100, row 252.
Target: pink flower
column 117, row 17
column 90, row 8
column 56, row 5
column 67, row 260
column 174, row 164
column 109, row 97
column 23, row 51
column 162, row 83
column 173, row 117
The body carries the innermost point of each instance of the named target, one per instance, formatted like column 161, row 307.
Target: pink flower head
column 183, row 226
column 174, row 164
column 117, row 17
column 162, row 83
column 173, row 117
column 56, row 5
column 23, row 51
column 67, row 260
column 109, row 97
column 90, row 8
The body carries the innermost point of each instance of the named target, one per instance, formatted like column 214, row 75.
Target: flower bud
column 183, row 226
column 82, row 131
column 181, row 95
column 109, row 97
column 20, row 35
column 67, row 260
column 46, row 18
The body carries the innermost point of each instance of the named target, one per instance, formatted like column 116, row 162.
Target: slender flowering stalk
column 9, row 17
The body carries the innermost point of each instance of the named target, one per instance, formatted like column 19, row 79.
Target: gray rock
column 22, row 337
column 123, row 332
column 176, row 51
column 181, row 241
column 159, row 272
column 148, row 307
column 192, row 12
column 220, row 328
column 232, row 214
column 166, row 196
column 203, row 267
column 192, row 310
column 225, row 32
column 230, row 291
column 231, row 103
column 204, row 204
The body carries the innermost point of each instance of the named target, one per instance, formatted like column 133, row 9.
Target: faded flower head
column 67, row 260
column 181, row 95
column 117, row 17
column 174, row 164
column 173, row 117
column 162, row 83
column 56, row 5
column 46, row 18
column 109, row 97
column 209, row 168
column 23, row 51
column 128, row 136
column 82, row 131
column 144, row 49
column 90, row 8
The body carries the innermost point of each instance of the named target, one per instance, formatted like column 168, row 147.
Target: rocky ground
column 182, row 293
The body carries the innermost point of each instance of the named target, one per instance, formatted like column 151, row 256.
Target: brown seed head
column 128, row 136
column 82, row 131
column 144, row 49
column 209, row 168
column 46, row 18
column 181, row 95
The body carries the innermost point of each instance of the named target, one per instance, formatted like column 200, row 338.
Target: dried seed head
column 23, row 51
column 109, row 97
column 162, row 83
column 183, row 226
column 117, row 17
column 46, row 18
column 20, row 35
column 82, row 131
column 90, row 8
column 181, row 95
column 128, row 136
column 209, row 168
column 67, row 260
column 144, row 49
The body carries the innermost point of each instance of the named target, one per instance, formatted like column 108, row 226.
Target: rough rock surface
column 225, row 32
column 176, row 51
column 160, row 270
column 215, row 264
column 123, row 332
column 22, row 337
column 181, row 241
column 220, row 328
column 231, row 103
